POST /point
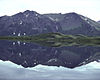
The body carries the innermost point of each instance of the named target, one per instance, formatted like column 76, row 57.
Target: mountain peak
column 72, row 14
column 26, row 14
column 28, row 11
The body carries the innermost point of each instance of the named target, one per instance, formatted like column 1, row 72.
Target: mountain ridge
column 32, row 23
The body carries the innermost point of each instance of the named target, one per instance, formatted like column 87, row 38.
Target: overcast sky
column 89, row 8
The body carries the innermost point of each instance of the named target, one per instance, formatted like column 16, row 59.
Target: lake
column 31, row 61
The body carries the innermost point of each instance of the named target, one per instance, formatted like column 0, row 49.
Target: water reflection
column 11, row 71
column 30, row 55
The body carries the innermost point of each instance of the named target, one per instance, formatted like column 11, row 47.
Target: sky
column 89, row 8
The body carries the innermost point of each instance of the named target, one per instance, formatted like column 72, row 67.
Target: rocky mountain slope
column 26, row 23
column 73, row 23
column 32, row 23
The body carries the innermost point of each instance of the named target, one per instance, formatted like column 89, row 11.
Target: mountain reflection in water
column 30, row 55
column 28, row 61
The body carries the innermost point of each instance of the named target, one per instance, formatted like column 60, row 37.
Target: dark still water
column 29, row 61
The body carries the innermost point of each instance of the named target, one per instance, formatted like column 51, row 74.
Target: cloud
column 88, row 8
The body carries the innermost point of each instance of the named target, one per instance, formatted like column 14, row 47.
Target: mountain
column 73, row 23
column 26, row 23
column 32, row 23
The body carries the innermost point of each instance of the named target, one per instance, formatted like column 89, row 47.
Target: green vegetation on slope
column 56, row 39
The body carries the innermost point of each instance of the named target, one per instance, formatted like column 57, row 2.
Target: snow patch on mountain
column 26, row 15
column 19, row 34
column 52, row 19
column 20, row 22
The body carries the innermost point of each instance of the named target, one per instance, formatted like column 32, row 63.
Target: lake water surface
column 30, row 61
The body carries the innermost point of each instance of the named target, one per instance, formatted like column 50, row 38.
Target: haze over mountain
column 32, row 23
